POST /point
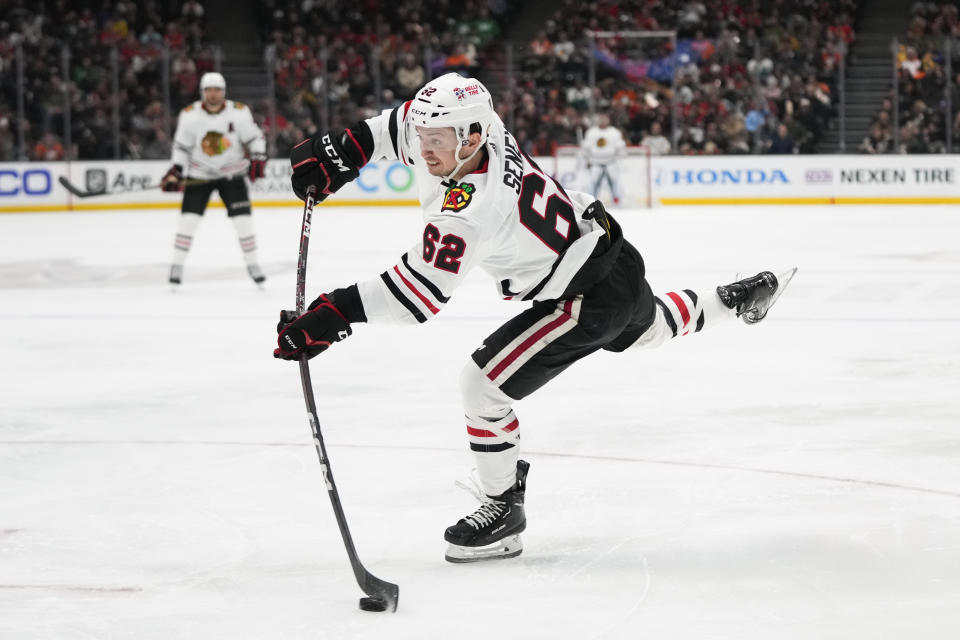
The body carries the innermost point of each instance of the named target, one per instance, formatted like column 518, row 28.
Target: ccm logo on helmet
column 332, row 153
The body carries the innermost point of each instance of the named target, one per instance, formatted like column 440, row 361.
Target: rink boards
column 672, row 180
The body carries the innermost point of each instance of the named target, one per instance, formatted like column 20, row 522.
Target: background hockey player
column 602, row 149
column 216, row 144
column 485, row 204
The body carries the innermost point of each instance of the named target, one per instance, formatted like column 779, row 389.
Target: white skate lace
column 489, row 509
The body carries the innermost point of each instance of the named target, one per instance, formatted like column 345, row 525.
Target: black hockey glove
column 311, row 333
column 330, row 160
column 172, row 179
column 258, row 166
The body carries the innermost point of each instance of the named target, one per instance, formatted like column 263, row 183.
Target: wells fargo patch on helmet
column 214, row 143
column 458, row 197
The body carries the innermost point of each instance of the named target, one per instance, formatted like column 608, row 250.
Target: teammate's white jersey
column 603, row 145
column 212, row 145
column 508, row 217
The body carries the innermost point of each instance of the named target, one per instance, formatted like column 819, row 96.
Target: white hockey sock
column 186, row 228
column 248, row 239
column 683, row 312
column 494, row 445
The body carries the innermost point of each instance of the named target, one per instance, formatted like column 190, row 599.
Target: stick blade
column 71, row 187
column 386, row 592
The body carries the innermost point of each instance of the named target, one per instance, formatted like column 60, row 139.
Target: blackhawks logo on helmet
column 458, row 197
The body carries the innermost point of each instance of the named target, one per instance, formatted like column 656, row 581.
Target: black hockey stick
column 383, row 595
column 80, row 193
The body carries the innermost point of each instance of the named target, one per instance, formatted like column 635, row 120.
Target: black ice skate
column 256, row 273
column 176, row 274
column 753, row 297
column 492, row 531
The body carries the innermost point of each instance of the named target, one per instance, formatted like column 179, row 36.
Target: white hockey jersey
column 603, row 145
column 214, row 145
column 508, row 217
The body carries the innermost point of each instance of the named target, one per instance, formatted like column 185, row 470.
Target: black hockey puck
column 373, row 604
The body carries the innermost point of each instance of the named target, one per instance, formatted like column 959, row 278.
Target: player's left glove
column 330, row 160
column 311, row 333
column 258, row 166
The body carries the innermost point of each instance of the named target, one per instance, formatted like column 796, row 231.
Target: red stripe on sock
column 483, row 433
column 684, row 313
column 480, row 433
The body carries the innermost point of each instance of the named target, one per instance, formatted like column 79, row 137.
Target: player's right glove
column 330, row 160
column 311, row 333
column 258, row 166
column 173, row 179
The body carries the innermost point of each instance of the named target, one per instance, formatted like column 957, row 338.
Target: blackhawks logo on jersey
column 214, row 143
column 458, row 197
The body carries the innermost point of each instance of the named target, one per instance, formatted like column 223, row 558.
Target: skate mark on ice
column 75, row 588
column 578, row 456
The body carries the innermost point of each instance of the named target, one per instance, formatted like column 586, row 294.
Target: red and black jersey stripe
column 434, row 289
column 401, row 298
column 415, row 291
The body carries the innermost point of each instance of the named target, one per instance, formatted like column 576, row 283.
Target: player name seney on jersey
column 214, row 145
column 508, row 217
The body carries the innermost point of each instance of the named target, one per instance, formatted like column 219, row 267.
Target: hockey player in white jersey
column 602, row 149
column 216, row 144
column 485, row 204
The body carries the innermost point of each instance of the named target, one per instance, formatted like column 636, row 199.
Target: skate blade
column 754, row 315
column 783, row 279
column 509, row 547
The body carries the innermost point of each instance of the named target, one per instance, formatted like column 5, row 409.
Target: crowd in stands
column 753, row 77
column 140, row 33
column 745, row 71
column 747, row 76
column 919, row 124
column 338, row 62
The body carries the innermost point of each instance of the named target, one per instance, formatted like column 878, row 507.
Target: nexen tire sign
column 804, row 179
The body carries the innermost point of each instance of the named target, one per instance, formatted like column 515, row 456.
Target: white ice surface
column 797, row 479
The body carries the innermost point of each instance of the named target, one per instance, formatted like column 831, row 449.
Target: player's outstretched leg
column 685, row 312
column 493, row 530
column 752, row 297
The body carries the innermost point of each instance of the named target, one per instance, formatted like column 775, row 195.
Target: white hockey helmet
column 212, row 79
column 453, row 101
